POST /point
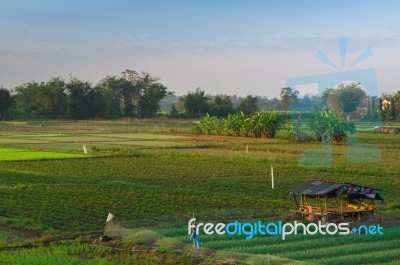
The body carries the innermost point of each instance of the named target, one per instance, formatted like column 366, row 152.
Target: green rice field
column 154, row 175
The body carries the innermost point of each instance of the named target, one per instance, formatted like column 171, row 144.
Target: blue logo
column 279, row 228
column 365, row 78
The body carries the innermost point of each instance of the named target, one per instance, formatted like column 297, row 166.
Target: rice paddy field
column 153, row 175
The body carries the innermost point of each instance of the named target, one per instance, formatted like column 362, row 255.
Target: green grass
column 9, row 236
column 38, row 135
column 145, row 136
column 7, row 154
column 74, row 141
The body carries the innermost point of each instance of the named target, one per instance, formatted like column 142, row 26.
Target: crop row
column 83, row 254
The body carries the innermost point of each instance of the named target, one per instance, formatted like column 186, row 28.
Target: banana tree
column 208, row 125
column 270, row 123
column 330, row 125
column 234, row 124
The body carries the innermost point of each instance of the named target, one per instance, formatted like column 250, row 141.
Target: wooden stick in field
column 272, row 177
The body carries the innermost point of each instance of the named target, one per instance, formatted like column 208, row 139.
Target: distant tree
column 119, row 95
column 288, row 96
column 195, row 102
column 174, row 110
column 306, row 103
column 169, row 101
column 393, row 111
column 84, row 100
column 324, row 98
column 248, row 104
column 350, row 100
column 96, row 102
column 221, row 105
column 5, row 101
column 47, row 99
column 151, row 92
column 375, row 109
column 396, row 104
column 133, row 94
column 27, row 97
column 56, row 98
column 180, row 106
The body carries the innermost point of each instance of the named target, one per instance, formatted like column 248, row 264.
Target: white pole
column 272, row 176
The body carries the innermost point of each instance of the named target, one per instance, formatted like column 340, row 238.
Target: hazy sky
column 233, row 47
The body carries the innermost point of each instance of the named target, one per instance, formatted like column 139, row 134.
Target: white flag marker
column 110, row 217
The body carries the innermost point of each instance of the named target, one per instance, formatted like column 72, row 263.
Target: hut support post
column 325, row 214
column 319, row 202
column 341, row 207
column 295, row 200
column 336, row 201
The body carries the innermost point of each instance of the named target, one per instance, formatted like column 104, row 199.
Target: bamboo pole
column 272, row 177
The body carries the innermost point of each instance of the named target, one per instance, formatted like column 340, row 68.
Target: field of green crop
column 26, row 154
column 352, row 249
column 156, row 178
column 83, row 254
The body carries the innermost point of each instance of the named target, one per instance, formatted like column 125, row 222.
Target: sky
column 225, row 47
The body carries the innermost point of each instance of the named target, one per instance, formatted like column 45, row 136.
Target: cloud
column 150, row 44
column 261, row 44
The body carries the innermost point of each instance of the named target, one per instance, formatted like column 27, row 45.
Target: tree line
column 133, row 94
column 130, row 94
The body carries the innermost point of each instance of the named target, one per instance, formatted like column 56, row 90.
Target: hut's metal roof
column 317, row 187
column 323, row 187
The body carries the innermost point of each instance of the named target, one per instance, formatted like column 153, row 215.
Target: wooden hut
column 324, row 198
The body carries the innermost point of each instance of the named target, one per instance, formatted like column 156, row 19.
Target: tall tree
column 120, row 95
column 248, row 104
column 350, row 100
column 5, row 101
column 375, row 108
column 221, row 105
column 151, row 92
column 195, row 102
column 393, row 110
column 396, row 104
column 56, row 98
column 84, row 100
column 288, row 97
column 45, row 99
